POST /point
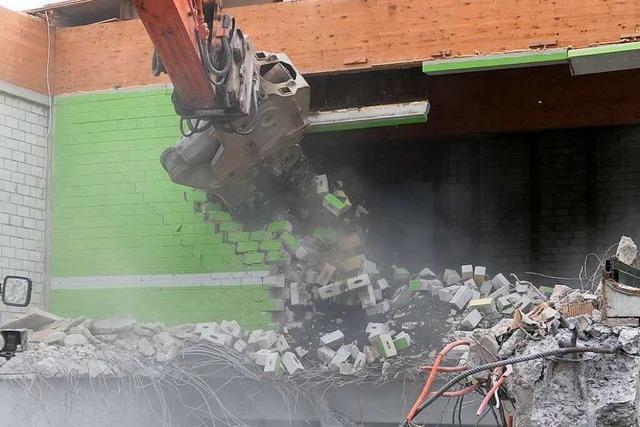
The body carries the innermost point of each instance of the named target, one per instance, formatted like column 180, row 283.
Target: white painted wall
column 24, row 163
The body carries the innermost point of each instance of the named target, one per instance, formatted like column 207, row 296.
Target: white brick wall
column 23, row 192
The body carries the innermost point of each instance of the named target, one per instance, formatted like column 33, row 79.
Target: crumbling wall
column 128, row 240
column 23, row 188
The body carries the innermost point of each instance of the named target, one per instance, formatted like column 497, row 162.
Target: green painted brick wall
column 115, row 212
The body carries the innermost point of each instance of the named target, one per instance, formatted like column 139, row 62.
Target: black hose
column 512, row 361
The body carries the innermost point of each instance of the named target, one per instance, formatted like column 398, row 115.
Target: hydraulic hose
column 512, row 361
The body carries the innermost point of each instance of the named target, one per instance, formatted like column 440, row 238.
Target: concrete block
column 346, row 368
column 291, row 363
column 260, row 356
column 333, row 339
column 382, row 284
column 281, row 344
column 479, row 274
column 486, row 287
column 267, row 339
column 380, row 308
column 254, row 337
column 231, row 328
column 334, row 205
column 341, row 356
column 367, row 297
column 272, row 365
column 514, row 298
column 445, row 294
column 75, row 340
column 471, row 284
column 499, row 281
column 402, row 341
column 359, row 281
column 471, row 320
column 218, row 338
column 525, row 304
column 502, row 291
column 401, row 297
column 326, row 274
column 359, row 361
column 301, row 253
column 371, row 353
column 280, row 226
column 522, row 288
column 400, row 274
column 240, row 346
column 301, row 352
column 325, row 354
column 385, row 346
column 418, row 284
column 503, row 303
column 377, row 293
column 370, row 267
column 322, row 184
column 451, row 277
column 461, row 297
column 484, row 305
column 374, row 329
column 466, row 272
column 330, row 291
column 426, row 273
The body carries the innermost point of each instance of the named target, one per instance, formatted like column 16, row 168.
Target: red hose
column 432, row 376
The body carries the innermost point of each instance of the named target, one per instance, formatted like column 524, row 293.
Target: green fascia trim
column 366, row 124
column 604, row 49
column 496, row 62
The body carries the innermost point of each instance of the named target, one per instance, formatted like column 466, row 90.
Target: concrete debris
column 112, row 324
column 627, row 251
column 33, row 319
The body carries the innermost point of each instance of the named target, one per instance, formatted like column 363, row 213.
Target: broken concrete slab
column 627, row 251
column 33, row 320
column 113, row 324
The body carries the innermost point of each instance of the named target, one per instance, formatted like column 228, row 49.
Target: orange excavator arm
column 243, row 112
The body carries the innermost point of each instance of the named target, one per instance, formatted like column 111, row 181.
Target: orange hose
column 462, row 392
column 432, row 376
column 490, row 393
column 445, row 368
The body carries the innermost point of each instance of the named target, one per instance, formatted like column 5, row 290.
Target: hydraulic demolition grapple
column 242, row 112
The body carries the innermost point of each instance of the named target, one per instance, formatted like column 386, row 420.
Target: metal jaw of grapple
column 226, row 159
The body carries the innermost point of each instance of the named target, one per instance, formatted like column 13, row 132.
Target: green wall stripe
column 494, row 62
column 604, row 49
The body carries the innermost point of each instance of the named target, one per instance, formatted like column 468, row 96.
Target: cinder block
column 426, row 273
column 326, row 274
column 261, row 356
column 471, row 320
column 446, row 294
column 240, row 346
column 471, row 284
column 451, row 277
column 267, row 339
column 484, row 305
column 461, row 297
column 371, row 353
column 382, row 284
column 333, row 339
column 334, row 205
column 274, row 281
column 479, row 274
column 322, row 184
column 291, row 363
column 380, row 308
column 280, row 226
column 486, row 287
column 325, row 354
column 330, row 291
column 503, row 303
column 466, row 272
column 500, row 281
column 358, row 282
column 341, row 356
column 281, row 344
column 367, row 297
column 359, row 361
column 500, row 292
column 400, row 274
column 272, row 365
column 346, row 368
column 374, row 329
column 384, row 344
column 522, row 288
column 370, row 267
column 402, row 341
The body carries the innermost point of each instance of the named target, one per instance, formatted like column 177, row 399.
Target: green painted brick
column 270, row 245
column 275, row 257
column 239, row 236
column 219, row 216
column 259, row 236
column 244, row 247
column 279, row 226
column 226, row 227
column 289, row 241
column 254, row 258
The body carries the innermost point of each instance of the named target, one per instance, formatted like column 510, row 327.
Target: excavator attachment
column 242, row 112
